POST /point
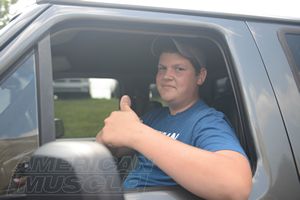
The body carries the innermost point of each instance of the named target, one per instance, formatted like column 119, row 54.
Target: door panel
column 270, row 39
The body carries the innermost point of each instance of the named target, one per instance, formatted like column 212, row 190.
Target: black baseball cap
column 186, row 47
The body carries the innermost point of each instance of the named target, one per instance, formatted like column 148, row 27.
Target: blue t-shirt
column 200, row 126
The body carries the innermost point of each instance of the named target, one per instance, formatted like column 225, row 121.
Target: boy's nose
column 169, row 74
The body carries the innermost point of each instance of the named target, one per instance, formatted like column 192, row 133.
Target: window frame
column 45, row 91
column 216, row 37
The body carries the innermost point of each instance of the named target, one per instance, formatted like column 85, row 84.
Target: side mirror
column 59, row 128
column 73, row 170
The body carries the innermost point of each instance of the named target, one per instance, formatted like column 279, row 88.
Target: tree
column 4, row 11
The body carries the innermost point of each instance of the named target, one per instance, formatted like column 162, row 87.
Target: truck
column 253, row 63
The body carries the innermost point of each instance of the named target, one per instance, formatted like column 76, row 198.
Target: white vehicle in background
column 67, row 87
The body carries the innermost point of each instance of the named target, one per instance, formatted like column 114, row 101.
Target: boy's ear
column 201, row 76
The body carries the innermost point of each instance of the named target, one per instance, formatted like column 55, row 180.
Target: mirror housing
column 73, row 170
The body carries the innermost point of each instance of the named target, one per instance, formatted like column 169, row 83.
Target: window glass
column 81, row 104
column 18, row 118
column 293, row 41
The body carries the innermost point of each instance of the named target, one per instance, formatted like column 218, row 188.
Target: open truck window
column 121, row 51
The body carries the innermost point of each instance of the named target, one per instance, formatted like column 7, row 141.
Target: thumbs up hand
column 125, row 103
column 121, row 126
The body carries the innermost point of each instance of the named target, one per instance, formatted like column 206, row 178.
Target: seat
column 223, row 100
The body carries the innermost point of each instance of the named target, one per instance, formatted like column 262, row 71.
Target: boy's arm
column 211, row 175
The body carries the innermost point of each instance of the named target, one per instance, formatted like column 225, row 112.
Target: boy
column 187, row 143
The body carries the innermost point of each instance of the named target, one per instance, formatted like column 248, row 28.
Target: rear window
column 293, row 42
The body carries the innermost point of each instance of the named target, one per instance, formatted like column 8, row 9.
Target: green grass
column 84, row 117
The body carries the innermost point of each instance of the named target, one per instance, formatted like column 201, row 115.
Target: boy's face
column 176, row 79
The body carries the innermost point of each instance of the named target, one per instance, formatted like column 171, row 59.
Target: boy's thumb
column 125, row 103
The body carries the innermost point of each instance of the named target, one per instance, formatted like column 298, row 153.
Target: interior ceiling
column 96, row 53
column 107, row 53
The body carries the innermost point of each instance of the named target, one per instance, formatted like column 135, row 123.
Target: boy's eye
column 178, row 68
column 161, row 68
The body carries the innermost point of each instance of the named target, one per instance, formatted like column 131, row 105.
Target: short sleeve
column 213, row 133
